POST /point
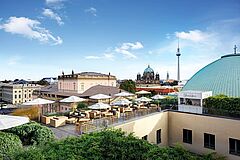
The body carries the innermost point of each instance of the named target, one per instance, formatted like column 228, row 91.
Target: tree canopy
column 128, row 85
column 106, row 145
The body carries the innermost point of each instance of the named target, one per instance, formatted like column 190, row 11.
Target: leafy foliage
column 31, row 112
column 82, row 105
column 128, row 85
column 32, row 133
column 167, row 102
column 9, row 143
column 105, row 145
column 223, row 105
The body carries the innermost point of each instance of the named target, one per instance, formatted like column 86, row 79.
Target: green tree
column 106, row 145
column 82, row 105
column 128, row 85
column 9, row 143
column 32, row 133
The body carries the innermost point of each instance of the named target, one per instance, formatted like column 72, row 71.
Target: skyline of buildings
column 94, row 36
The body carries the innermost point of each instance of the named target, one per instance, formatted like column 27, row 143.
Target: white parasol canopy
column 38, row 101
column 143, row 92
column 72, row 99
column 123, row 94
column 99, row 106
column 157, row 97
column 143, row 99
column 122, row 102
column 7, row 121
column 100, row 96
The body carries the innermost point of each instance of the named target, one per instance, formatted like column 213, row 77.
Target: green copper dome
column 148, row 70
column 221, row 77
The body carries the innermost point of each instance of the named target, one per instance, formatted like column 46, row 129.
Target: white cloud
column 53, row 1
column 55, row 4
column 49, row 13
column 194, row 35
column 199, row 47
column 14, row 60
column 108, row 56
column 127, row 53
column 92, row 57
column 126, row 49
column 92, row 11
column 30, row 28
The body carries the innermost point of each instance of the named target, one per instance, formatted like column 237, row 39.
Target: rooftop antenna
column 235, row 49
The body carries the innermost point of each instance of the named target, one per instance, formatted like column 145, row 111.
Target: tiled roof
column 221, row 77
column 100, row 89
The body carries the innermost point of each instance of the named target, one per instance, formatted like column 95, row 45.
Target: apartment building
column 17, row 93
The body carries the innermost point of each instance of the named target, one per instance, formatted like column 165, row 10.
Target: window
column 15, row 96
column 234, row 146
column 145, row 137
column 158, row 135
column 25, row 95
column 82, row 86
column 29, row 96
column 187, row 136
column 19, row 96
column 209, row 141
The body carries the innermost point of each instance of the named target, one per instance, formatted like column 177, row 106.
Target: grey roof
column 50, row 88
column 100, row 89
column 92, row 74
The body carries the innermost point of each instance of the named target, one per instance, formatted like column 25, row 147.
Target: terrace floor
column 98, row 124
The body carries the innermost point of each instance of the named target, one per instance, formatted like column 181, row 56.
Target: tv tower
column 178, row 56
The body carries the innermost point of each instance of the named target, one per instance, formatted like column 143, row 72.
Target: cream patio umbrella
column 100, row 96
column 157, row 97
column 99, row 106
column 121, row 102
column 38, row 102
column 7, row 121
column 72, row 99
column 143, row 99
column 123, row 94
column 142, row 92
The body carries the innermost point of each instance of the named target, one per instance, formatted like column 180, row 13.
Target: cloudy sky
column 41, row 38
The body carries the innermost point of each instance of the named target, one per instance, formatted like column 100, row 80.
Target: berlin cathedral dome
column 148, row 77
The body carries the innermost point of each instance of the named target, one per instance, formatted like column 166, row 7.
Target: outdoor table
column 108, row 114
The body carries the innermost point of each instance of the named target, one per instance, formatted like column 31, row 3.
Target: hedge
column 106, row 145
column 222, row 104
column 32, row 133
column 9, row 143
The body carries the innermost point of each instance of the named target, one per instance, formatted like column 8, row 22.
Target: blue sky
column 41, row 38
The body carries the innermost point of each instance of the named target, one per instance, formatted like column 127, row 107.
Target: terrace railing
column 105, row 122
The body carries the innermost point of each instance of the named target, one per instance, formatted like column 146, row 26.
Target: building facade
column 17, row 93
column 148, row 77
column 80, row 82
column 198, row 133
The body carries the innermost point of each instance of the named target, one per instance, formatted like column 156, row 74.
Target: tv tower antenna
column 178, row 57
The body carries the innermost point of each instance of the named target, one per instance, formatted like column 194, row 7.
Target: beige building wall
column 172, row 125
column 80, row 85
column 222, row 128
column 17, row 94
column 148, row 126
